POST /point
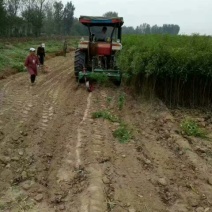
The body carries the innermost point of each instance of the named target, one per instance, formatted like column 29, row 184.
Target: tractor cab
column 97, row 53
column 97, row 24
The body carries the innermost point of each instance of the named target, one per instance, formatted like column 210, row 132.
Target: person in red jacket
column 31, row 64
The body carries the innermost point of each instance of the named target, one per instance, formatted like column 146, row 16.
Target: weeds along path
column 55, row 156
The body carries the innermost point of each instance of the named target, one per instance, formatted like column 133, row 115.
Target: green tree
column 14, row 22
column 128, row 30
column 68, row 17
column 48, row 22
column 171, row 29
column 58, row 17
column 33, row 15
column 110, row 14
column 78, row 28
column 3, row 20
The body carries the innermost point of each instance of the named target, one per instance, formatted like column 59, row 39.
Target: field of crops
column 178, row 69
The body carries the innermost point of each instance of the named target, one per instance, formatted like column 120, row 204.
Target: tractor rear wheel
column 79, row 62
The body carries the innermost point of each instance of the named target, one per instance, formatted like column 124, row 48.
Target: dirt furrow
column 55, row 156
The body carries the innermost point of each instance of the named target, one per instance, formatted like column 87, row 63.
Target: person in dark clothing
column 41, row 53
column 102, row 35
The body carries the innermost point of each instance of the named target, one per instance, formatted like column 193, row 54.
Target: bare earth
column 55, row 157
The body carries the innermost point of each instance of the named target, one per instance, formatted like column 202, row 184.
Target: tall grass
column 176, row 68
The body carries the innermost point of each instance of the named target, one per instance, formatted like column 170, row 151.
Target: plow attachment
column 100, row 76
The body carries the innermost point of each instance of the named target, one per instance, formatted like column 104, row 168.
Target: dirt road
column 55, row 157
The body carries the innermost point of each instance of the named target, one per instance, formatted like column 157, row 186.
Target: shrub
column 191, row 128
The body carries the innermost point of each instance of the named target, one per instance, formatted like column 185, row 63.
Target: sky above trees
column 193, row 16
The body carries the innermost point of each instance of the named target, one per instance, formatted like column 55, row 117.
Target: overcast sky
column 193, row 16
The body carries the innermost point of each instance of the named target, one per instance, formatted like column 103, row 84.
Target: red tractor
column 98, row 53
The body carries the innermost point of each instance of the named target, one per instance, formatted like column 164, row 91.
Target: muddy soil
column 55, row 156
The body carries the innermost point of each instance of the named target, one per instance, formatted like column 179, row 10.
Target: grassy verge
column 191, row 128
column 105, row 115
column 122, row 133
column 13, row 54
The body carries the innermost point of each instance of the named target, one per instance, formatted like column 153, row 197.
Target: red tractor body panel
column 104, row 49
column 115, row 46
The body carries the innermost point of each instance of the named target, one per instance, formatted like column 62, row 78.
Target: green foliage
column 109, row 99
column 21, row 18
column 68, row 19
column 110, row 14
column 166, row 55
column 3, row 18
column 19, row 67
column 2, row 207
column 100, row 78
column 123, row 134
column 191, row 128
column 105, row 115
column 121, row 101
column 177, row 67
column 155, row 29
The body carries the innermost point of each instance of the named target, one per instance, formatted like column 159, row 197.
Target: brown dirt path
column 55, row 157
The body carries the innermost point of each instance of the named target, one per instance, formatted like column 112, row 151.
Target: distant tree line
column 35, row 17
column 147, row 29
column 21, row 18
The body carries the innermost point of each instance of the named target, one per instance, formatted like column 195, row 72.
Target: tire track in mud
column 93, row 198
column 122, row 173
column 9, row 88
column 39, row 109
column 10, row 91
column 80, row 132
column 24, row 99
column 63, row 173
column 26, row 107
column 51, row 76
column 97, row 145
column 28, row 93
column 85, row 180
column 6, row 88
column 48, row 102
column 51, row 93
column 67, row 179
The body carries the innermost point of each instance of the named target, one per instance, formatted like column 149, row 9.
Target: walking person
column 41, row 54
column 31, row 64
